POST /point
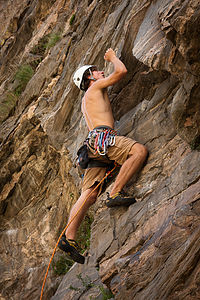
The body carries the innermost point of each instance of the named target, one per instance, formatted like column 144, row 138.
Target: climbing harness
column 100, row 138
column 52, row 256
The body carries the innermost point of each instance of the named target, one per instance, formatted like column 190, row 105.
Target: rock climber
column 103, row 143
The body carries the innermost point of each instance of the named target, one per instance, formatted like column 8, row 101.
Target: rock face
column 150, row 250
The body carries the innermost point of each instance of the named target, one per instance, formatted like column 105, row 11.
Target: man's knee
column 139, row 150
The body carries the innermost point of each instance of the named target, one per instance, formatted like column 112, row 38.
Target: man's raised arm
column 118, row 73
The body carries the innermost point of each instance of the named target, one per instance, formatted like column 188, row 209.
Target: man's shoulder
column 94, row 88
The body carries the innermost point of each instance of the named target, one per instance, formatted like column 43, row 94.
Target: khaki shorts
column 119, row 153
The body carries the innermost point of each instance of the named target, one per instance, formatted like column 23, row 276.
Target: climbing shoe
column 119, row 199
column 72, row 249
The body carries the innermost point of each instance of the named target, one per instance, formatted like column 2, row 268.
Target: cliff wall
column 151, row 249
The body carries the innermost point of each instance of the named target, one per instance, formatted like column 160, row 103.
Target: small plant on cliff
column 23, row 75
column 45, row 43
column 87, row 284
column 195, row 144
column 106, row 293
column 7, row 105
column 84, row 232
column 71, row 21
column 40, row 48
column 62, row 265
column 71, row 195
column 52, row 40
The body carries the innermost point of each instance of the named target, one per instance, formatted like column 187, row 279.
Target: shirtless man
column 126, row 152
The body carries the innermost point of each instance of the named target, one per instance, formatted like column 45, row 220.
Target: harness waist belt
column 102, row 127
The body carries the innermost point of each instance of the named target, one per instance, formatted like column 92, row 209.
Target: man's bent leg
column 136, row 158
column 80, row 208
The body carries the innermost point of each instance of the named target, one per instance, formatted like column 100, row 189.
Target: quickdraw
column 101, row 139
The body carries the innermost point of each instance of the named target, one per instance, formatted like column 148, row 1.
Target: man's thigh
column 121, row 150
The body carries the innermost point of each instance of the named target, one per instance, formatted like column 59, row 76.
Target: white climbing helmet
column 78, row 75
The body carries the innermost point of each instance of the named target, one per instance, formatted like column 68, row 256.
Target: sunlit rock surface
column 151, row 249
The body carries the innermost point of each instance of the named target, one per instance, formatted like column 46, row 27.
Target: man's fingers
column 109, row 54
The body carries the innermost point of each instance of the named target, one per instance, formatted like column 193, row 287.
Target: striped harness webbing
column 100, row 138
